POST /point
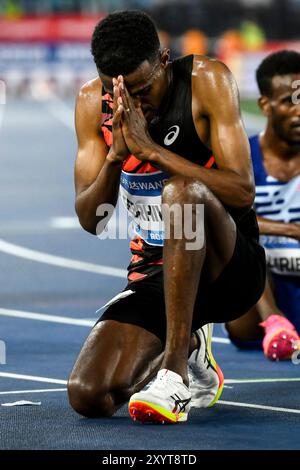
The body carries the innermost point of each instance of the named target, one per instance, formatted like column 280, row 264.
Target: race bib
column 141, row 195
column 280, row 201
column 283, row 255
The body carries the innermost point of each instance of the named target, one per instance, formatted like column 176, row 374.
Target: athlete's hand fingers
column 116, row 94
column 140, row 111
column 127, row 100
column 120, row 109
column 117, row 105
column 118, row 113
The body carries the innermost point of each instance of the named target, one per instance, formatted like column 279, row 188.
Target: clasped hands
column 129, row 126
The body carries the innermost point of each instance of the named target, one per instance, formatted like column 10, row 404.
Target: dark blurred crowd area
column 278, row 19
column 48, row 40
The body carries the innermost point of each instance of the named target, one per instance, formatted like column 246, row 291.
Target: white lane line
column 5, row 312
column 261, row 381
column 45, row 317
column 58, row 223
column 64, row 223
column 64, row 382
column 116, row 223
column 41, row 257
column 221, row 340
column 258, row 407
column 32, row 378
column 43, row 390
column 220, row 402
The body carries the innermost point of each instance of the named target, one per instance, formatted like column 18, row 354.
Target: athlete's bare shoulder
column 88, row 108
column 208, row 68
column 90, row 94
column 212, row 81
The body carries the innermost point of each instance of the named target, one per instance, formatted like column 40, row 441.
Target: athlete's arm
column 97, row 169
column 281, row 229
column 267, row 303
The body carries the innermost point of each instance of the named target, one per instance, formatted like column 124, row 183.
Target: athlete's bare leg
column 266, row 305
column 183, row 268
column 116, row 361
column 246, row 328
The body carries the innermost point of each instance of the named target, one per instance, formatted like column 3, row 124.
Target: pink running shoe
column 281, row 339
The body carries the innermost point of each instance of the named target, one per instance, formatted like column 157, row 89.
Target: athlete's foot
column 167, row 400
column 206, row 377
column 281, row 339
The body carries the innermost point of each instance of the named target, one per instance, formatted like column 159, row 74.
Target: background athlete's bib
column 280, row 201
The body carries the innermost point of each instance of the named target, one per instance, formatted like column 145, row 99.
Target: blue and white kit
column 279, row 201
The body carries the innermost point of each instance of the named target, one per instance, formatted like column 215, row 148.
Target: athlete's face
column 282, row 108
column 148, row 84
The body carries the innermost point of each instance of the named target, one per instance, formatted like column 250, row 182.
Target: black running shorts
column 236, row 290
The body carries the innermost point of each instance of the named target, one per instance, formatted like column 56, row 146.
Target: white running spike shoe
column 167, row 400
column 205, row 376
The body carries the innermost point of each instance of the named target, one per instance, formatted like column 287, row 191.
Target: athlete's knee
column 90, row 401
column 182, row 190
column 243, row 337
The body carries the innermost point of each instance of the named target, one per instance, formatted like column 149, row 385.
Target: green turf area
column 250, row 106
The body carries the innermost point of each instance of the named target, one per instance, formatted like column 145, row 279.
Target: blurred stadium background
column 44, row 45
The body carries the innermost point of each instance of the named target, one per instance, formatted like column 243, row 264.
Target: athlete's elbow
column 86, row 222
column 92, row 225
column 250, row 190
column 246, row 196
column 88, row 226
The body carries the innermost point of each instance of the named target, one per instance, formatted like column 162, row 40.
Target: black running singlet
column 141, row 184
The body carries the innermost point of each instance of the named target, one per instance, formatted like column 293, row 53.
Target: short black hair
column 280, row 63
column 122, row 41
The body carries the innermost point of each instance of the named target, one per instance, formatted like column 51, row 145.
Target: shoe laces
column 206, row 359
column 163, row 380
